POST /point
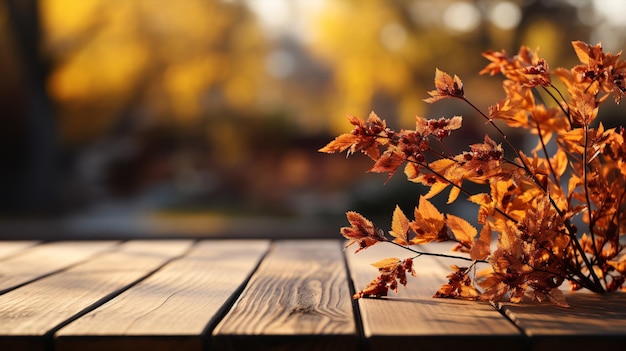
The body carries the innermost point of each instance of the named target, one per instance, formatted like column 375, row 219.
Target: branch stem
column 435, row 254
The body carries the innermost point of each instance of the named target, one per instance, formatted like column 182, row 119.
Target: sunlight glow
column 461, row 17
column 611, row 23
column 612, row 11
column 274, row 14
column 393, row 36
column 505, row 15
column 280, row 17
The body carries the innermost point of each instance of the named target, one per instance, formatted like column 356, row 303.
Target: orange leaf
column 480, row 199
column 372, row 151
column 459, row 286
column 340, row 143
column 367, row 137
column 374, row 119
column 481, row 248
column 463, row 231
column 436, row 184
column 582, row 51
column 428, row 211
column 428, row 224
column 389, row 162
column 421, row 125
column 620, row 265
column 387, row 263
column 400, row 227
column 412, row 171
column 447, row 87
column 486, row 206
column 442, row 165
column 454, row 194
column 361, row 231
column 455, row 123
column 436, row 189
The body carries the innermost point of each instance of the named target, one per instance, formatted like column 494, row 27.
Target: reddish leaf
column 447, row 87
column 392, row 273
column 459, row 286
column 340, row 143
column 389, row 162
column 367, row 137
column 361, row 232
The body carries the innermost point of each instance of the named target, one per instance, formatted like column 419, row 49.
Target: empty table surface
column 265, row 295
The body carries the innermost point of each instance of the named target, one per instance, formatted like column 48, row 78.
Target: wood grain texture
column 12, row 248
column 414, row 319
column 33, row 310
column 298, row 299
column 170, row 309
column 591, row 321
column 44, row 259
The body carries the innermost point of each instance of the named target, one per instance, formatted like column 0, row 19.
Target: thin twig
column 435, row 254
column 545, row 152
column 559, row 102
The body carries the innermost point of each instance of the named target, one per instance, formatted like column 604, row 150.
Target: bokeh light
column 462, row 17
column 505, row 15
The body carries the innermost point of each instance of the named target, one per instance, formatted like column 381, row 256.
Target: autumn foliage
column 533, row 202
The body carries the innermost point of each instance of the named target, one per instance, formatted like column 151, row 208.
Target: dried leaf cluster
column 531, row 201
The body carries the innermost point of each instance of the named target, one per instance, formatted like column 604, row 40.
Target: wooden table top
column 264, row 295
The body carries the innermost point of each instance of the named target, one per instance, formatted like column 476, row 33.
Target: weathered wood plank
column 29, row 314
column 44, row 259
column 415, row 319
column 11, row 248
column 298, row 299
column 592, row 321
column 171, row 309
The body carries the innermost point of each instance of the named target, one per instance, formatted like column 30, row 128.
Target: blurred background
column 204, row 117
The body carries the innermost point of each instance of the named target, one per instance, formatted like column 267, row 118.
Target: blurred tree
column 230, row 99
column 172, row 61
column 30, row 177
column 384, row 53
column 138, row 83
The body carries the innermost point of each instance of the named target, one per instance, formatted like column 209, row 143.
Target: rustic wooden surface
column 29, row 314
column 43, row 260
column 299, row 299
column 10, row 248
column 260, row 294
column 171, row 309
column 590, row 318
